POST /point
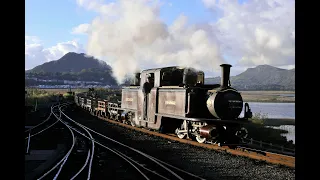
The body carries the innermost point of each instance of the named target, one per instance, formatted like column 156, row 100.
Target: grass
column 43, row 97
column 268, row 96
column 259, row 118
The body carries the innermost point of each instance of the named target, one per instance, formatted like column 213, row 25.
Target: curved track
column 147, row 166
column 258, row 154
column 63, row 168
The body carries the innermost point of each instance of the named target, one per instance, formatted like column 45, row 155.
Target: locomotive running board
column 125, row 109
column 203, row 119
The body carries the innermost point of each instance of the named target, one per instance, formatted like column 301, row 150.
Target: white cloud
column 137, row 37
column 257, row 32
column 81, row 29
column 36, row 54
column 130, row 34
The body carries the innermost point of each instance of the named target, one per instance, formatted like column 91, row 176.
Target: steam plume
column 130, row 35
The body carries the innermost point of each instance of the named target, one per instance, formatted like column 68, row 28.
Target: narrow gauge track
column 64, row 169
column 144, row 165
column 40, row 128
column 258, row 154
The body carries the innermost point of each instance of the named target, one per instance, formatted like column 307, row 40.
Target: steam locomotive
column 178, row 102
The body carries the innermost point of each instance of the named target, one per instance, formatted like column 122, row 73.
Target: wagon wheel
column 200, row 139
column 132, row 121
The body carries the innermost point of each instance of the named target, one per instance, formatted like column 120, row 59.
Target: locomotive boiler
column 176, row 100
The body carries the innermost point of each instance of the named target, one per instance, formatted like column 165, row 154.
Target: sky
column 131, row 35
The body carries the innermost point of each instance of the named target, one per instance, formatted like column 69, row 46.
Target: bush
column 259, row 118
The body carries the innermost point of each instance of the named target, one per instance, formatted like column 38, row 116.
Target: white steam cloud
column 131, row 35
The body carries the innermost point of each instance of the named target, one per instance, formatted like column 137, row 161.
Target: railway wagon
column 87, row 105
column 76, row 99
column 94, row 105
column 82, row 101
column 101, row 108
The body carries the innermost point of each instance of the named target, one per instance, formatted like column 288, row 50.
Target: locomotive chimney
column 225, row 75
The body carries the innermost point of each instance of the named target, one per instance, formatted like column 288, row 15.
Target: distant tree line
column 98, row 75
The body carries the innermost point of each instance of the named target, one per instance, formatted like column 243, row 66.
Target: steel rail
column 92, row 144
column 66, row 156
column 81, row 169
column 111, row 151
column 133, row 149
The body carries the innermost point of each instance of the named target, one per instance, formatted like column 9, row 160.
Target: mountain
column 80, row 67
column 71, row 62
column 262, row 77
column 74, row 67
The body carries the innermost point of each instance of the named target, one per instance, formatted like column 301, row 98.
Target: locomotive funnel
column 225, row 75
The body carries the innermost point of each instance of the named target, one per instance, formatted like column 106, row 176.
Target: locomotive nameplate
column 235, row 104
column 129, row 99
column 170, row 102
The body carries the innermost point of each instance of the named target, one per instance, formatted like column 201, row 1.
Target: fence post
column 28, row 142
column 35, row 107
column 251, row 141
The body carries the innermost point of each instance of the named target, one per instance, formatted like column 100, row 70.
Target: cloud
column 36, row 54
column 132, row 35
column 256, row 32
column 81, row 29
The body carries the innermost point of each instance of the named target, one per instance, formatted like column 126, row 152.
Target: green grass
column 42, row 97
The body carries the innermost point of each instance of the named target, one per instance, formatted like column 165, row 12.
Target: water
column 273, row 110
column 287, row 95
column 277, row 110
column 291, row 131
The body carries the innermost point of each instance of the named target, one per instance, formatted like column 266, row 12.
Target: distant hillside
column 71, row 62
column 79, row 67
column 75, row 67
column 262, row 77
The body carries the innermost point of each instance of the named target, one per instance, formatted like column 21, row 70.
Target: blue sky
column 52, row 21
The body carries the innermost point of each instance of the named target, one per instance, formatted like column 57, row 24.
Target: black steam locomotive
column 176, row 100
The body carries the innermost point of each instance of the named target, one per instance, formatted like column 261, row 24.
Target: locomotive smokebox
column 225, row 75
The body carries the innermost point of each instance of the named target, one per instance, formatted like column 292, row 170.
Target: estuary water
column 277, row 110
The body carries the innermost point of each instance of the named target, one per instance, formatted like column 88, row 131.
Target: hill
column 80, row 67
column 262, row 77
column 71, row 62
column 73, row 67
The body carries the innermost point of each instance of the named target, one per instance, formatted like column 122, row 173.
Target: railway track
column 72, row 165
column 94, row 155
column 258, row 154
column 141, row 165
